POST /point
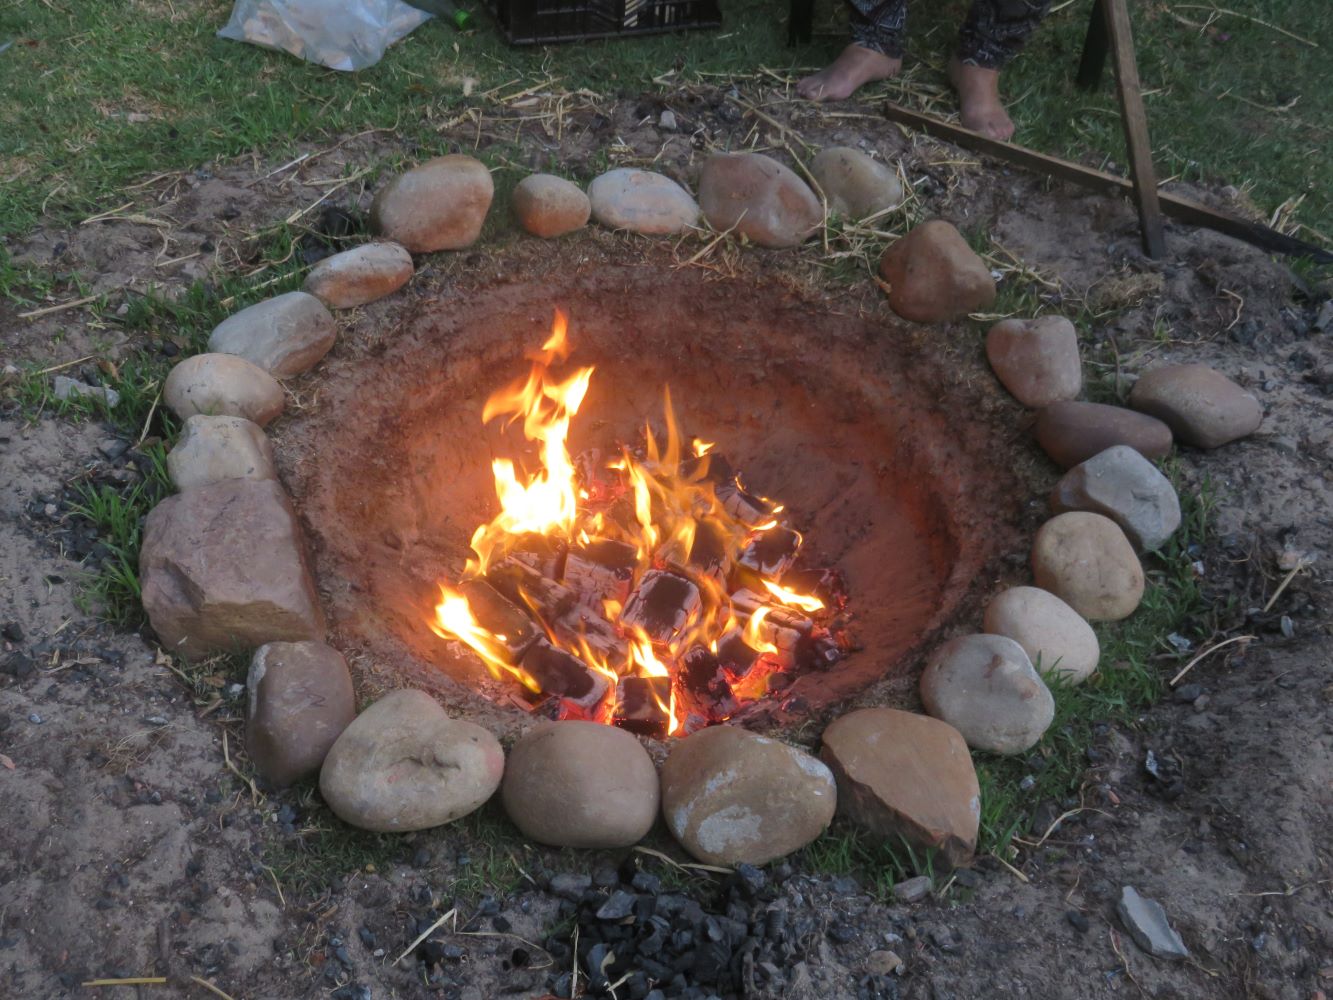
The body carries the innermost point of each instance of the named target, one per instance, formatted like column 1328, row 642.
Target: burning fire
column 644, row 589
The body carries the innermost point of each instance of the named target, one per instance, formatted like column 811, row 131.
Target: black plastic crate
column 525, row 22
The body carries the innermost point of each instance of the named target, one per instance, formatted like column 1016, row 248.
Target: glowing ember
column 644, row 590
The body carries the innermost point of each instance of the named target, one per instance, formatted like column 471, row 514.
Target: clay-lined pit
column 828, row 413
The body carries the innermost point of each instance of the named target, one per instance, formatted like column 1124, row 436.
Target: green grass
column 95, row 96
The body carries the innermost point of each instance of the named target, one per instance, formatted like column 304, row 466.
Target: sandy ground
column 129, row 847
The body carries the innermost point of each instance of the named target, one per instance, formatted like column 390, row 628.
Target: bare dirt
column 130, row 847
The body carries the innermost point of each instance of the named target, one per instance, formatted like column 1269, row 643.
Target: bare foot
column 855, row 66
column 979, row 97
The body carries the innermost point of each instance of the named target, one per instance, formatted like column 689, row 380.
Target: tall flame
column 546, row 502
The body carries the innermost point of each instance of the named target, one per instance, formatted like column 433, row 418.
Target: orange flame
column 454, row 620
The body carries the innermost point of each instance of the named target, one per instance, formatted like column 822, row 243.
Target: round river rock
column 1054, row 635
column 285, row 335
column 549, row 206
column 360, row 275
column 1036, row 359
column 985, row 687
column 222, row 385
column 403, row 764
column 300, row 700
column 437, row 205
column 730, row 796
column 1202, row 406
column 580, row 784
column 211, row 449
column 759, row 198
column 855, row 185
column 642, row 202
column 1086, row 561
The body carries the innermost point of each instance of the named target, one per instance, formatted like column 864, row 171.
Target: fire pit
column 653, row 589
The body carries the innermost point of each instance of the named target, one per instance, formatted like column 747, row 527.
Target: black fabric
column 993, row 33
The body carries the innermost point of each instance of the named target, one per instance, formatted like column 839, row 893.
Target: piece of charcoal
column 641, row 705
column 542, row 554
column 602, row 569
column 581, row 626
column 499, row 616
column 743, row 505
column 529, row 590
column 708, row 551
column 734, row 654
column 662, row 605
column 711, row 467
column 819, row 652
column 772, row 551
column 698, row 669
column 564, row 675
column 826, row 584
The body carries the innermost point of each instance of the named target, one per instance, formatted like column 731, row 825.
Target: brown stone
column 360, row 275
column 1036, row 359
column 285, row 335
column 855, row 185
column 1073, row 432
column 300, row 700
column 1202, row 406
column 211, row 449
column 1085, row 560
column 549, row 206
column 934, row 277
column 222, row 385
column 906, row 775
column 580, row 784
column 730, row 796
column 758, row 198
column 437, row 205
column 403, row 765
column 223, row 569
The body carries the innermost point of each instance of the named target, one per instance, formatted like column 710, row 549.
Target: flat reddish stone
column 934, row 276
column 1073, row 432
column 1202, row 406
column 906, row 775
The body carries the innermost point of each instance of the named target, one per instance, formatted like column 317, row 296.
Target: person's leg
column 993, row 33
column 876, row 52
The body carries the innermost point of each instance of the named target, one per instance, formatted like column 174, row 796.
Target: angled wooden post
column 1135, row 120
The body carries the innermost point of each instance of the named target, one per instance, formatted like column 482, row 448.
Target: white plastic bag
column 339, row 34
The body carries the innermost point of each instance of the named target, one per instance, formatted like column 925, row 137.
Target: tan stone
column 437, row 205
column 906, row 775
column 285, row 335
column 1073, row 432
column 360, row 275
column 855, row 185
column 642, row 202
column 985, row 687
column 934, row 276
column 1202, row 406
column 211, row 449
column 222, row 385
column 758, row 198
column 223, row 569
column 403, row 765
column 580, row 784
column 1086, row 561
column 549, row 206
column 300, row 700
column 1036, row 359
column 730, row 796
column 1054, row 635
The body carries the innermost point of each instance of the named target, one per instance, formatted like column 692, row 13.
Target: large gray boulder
column 285, row 335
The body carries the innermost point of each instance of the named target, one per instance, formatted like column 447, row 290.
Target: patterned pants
column 992, row 34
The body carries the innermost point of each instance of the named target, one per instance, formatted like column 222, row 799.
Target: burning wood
column 661, row 606
column 642, row 704
column 602, row 570
column 651, row 568
column 563, row 675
